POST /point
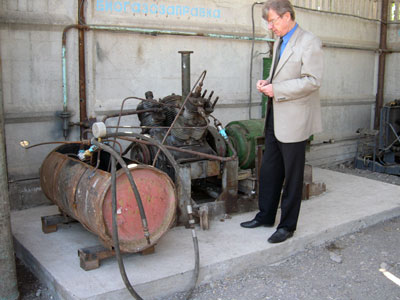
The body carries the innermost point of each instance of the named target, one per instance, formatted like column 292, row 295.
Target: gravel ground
column 352, row 267
column 348, row 268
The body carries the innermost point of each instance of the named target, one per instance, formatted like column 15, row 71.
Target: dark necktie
column 269, row 123
column 277, row 56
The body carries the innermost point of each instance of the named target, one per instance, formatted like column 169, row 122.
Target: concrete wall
column 392, row 86
column 125, row 64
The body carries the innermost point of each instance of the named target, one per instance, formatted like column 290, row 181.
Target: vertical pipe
column 185, row 73
column 64, row 76
column 8, row 275
column 82, row 67
column 382, row 61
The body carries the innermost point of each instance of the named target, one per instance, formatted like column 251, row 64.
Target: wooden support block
column 204, row 220
column 91, row 257
column 50, row 223
column 149, row 250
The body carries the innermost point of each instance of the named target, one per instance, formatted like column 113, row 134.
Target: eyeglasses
column 272, row 23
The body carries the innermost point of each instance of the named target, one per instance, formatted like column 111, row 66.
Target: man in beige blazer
column 293, row 115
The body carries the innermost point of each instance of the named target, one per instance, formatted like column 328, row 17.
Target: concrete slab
column 350, row 203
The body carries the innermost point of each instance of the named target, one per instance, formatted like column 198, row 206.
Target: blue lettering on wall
column 162, row 9
column 100, row 5
column 136, row 7
column 171, row 10
column 109, row 6
column 155, row 9
column 194, row 12
column 118, row 6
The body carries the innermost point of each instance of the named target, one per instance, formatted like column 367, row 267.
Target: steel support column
column 382, row 62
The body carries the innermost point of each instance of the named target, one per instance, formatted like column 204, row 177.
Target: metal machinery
column 178, row 170
column 199, row 149
column 379, row 150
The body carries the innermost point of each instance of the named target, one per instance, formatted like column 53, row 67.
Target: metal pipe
column 128, row 112
column 55, row 142
column 350, row 47
column 337, row 13
column 185, row 73
column 382, row 62
column 82, row 68
column 252, row 56
column 177, row 149
column 8, row 281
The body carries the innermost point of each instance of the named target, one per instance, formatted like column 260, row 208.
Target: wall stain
column 99, row 52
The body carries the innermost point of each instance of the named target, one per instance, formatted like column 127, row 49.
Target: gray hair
column 280, row 6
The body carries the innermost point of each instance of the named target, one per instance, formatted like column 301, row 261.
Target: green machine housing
column 243, row 136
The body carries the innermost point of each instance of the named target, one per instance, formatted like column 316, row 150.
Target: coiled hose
column 115, row 157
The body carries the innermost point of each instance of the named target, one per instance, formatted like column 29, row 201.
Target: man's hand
column 267, row 90
column 261, row 83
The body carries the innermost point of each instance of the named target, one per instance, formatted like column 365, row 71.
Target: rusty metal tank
column 84, row 193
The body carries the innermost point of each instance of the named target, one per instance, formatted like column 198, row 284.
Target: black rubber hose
column 115, row 232
column 131, row 181
column 196, row 270
column 176, row 167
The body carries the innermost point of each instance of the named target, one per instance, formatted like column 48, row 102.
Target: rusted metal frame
column 230, row 186
column 201, row 154
column 382, row 62
column 184, row 191
column 260, row 141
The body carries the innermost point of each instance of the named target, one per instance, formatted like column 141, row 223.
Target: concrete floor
column 350, row 203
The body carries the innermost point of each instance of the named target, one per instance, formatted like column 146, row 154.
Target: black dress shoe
column 280, row 236
column 254, row 223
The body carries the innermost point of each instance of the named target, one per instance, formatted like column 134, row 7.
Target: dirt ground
column 29, row 286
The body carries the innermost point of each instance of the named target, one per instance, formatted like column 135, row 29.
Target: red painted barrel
column 84, row 193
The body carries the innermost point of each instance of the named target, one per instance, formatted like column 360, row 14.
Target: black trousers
column 282, row 168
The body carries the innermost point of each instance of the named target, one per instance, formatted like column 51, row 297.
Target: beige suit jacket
column 296, row 83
